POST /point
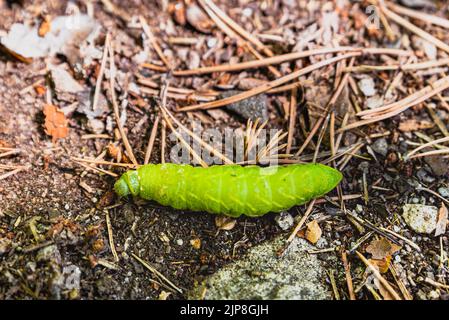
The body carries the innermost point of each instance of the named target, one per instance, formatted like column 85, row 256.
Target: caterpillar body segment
column 229, row 189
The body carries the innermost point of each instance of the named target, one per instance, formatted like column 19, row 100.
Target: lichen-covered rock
column 261, row 274
column 421, row 218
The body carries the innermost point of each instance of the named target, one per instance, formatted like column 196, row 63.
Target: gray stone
column 251, row 108
column 420, row 218
column 380, row 146
column 424, row 176
column 439, row 165
column 284, row 220
column 444, row 192
column 49, row 254
column 367, row 86
column 261, row 274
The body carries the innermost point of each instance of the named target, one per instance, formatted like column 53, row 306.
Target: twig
column 400, row 284
column 329, row 106
column 151, row 140
column 10, row 173
column 396, row 108
column 410, row 26
column 156, row 272
column 379, row 277
column 269, row 85
column 156, row 47
column 292, row 118
column 405, row 67
column 95, row 161
column 245, row 34
column 219, row 17
column 429, row 144
column 428, row 18
column 128, row 148
column 436, row 284
column 183, row 141
column 9, row 152
column 334, row 284
column 297, row 228
column 89, row 167
column 197, row 138
column 432, row 192
column 95, row 136
column 347, row 267
column 111, row 236
column 302, row 221
column 287, row 57
column 104, row 59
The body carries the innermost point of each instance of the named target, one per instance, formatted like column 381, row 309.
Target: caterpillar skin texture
column 232, row 190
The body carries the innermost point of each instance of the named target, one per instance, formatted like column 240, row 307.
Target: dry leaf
column 225, row 223
column 40, row 90
column 55, row 122
column 178, row 11
column 442, row 221
column 114, row 152
column 196, row 243
column 44, row 27
column 15, row 54
column 413, row 125
column 382, row 264
column 313, row 232
column 382, row 248
column 164, row 295
column 381, row 251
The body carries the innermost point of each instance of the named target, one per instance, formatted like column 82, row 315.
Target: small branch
column 156, row 47
column 347, row 267
column 115, row 106
column 269, row 85
column 151, row 140
column 378, row 276
column 111, row 236
column 104, row 59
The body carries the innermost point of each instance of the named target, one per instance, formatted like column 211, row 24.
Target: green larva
column 232, row 190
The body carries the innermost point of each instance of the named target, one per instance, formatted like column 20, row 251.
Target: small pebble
column 444, row 192
column 284, row 220
column 420, row 218
column 252, row 108
column 211, row 42
column 367, row 86
column 380, row 146
column 434, row 295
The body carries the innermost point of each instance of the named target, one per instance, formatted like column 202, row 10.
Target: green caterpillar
column 232, row 190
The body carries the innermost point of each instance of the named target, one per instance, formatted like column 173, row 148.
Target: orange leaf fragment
column 413, row 125
column 381, row 251
column 44, row 27
column 55, row 122
column 442, row 221
column 313, row 232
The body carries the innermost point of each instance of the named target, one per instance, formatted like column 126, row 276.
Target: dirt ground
column 54, row 239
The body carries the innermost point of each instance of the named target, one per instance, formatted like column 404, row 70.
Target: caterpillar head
column 127, row 184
